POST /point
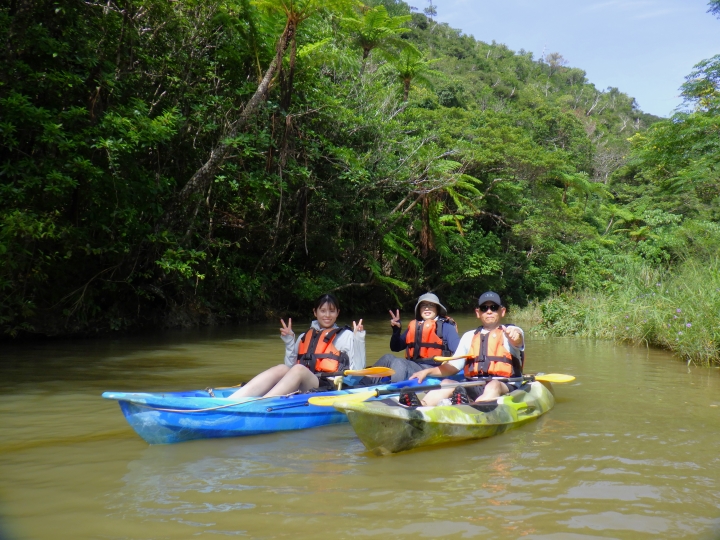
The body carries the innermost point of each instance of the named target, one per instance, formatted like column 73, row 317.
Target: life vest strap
column 335, row 332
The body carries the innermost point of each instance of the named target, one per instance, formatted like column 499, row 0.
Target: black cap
column 490, row 296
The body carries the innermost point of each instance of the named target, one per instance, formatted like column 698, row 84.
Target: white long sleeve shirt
column 350, row 342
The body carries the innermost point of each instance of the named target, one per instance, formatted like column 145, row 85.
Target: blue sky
column 643, row 47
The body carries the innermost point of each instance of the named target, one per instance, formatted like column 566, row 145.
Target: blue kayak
column 171, row 417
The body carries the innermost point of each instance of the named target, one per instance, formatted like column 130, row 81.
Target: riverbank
column 679, row 312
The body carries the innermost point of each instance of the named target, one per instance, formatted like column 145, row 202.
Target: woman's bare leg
column 297, row 378
column 262, row 383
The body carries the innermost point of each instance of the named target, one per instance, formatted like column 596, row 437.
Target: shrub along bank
column 664, row 237
column 677, row 310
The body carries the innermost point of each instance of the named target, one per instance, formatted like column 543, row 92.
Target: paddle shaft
column 371, row 371
column 427, row 387
column 451, row 358
column 336, row 374
column 328, row 401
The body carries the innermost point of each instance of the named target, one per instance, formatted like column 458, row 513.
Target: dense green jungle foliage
column 200, row 161
column 666, row 220
column 667, row 207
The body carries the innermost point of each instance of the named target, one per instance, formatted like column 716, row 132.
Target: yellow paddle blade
column 371, row 372
column 554, row 377
column 328, row 401
column 449, row 358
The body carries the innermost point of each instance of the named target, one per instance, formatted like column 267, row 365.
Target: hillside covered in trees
column 170, row 163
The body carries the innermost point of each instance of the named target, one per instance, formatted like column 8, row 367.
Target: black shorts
column 325, row 384
column 475, row 392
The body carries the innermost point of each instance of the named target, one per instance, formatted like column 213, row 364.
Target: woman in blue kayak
column 321, row 351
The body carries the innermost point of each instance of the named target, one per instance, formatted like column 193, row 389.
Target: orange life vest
column 490, row 357
column 425, row 340
column 317, row 352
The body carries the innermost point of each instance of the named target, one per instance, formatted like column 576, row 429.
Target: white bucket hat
column 430, row 297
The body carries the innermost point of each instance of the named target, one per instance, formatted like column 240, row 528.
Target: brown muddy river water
column 631, row 450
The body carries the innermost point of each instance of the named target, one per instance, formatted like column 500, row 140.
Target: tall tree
column 431, row 10
column 702, row 85
column 555, row 61
column 295, row 12
column 376, row 28
column 410, row 65
column 714, row 7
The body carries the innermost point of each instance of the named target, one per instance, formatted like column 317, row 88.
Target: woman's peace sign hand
column 286, row 329
column 395, row 318
column 358, row 327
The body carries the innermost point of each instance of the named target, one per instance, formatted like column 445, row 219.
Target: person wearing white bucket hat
column 431, row 333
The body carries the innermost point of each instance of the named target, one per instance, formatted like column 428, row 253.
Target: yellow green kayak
column 385, row 426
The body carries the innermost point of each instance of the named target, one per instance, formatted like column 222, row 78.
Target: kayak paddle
column 357, row 397
column 546, row 377
column 353, row 397
column 554, row 377
column 367, row 372
column 450, row 358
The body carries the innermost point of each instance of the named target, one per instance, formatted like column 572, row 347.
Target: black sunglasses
column 491, row 307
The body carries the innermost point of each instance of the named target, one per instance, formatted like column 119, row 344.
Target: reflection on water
column 629, row 451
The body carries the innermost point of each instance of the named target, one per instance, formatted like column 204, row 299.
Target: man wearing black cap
column 493, row 349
